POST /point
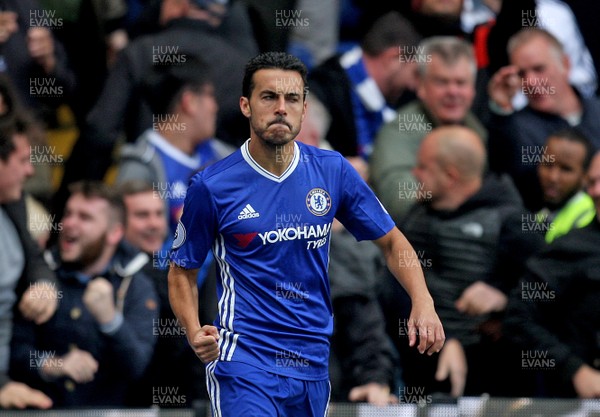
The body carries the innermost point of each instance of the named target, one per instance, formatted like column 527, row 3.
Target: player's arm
column 423, row 320
column 183, row 296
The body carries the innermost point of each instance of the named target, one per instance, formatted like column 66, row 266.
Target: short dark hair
column 164, row 85
column 13, row 120
column 272, row 60
column 575, row 135
column 390, row 30
column 97, row 189
column 19, row 122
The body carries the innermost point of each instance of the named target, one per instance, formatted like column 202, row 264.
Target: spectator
column 146, row 226
column 35, row 62
column 554, row 313
column 467, row 235
column 446, row 89
column 181, row 140
column 173, row 363
column 120, row 107
column 38, row 185
column 561, row 171
column 100, row 340
column 24, row 273
column 359, row 88
column 540, row 69
column 555, row 17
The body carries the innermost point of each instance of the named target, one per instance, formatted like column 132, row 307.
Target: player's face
column 563, row 174
column 15, row 170
column 593, row 181
column 448, row 90
column 85, row 228
column 146, row 221
column 544, row 75
column 276, row 106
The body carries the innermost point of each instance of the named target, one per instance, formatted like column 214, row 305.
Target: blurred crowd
column 476, row 123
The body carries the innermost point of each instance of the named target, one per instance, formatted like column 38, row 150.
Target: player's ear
column 304, row 109
column 245, row 106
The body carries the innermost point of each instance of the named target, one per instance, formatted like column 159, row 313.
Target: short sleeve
column 197, row 227
column 360, row 211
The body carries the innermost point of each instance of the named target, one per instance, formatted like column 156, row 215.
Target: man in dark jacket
column 24, row 274
column 553, row 313
column 99, row 341
column 468, row 236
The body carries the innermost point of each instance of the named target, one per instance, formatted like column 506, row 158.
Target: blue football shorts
column 237, row 389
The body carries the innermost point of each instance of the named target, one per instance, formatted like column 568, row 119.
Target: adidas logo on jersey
column 248, row 213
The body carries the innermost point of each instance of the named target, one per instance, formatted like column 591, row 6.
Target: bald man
column 467, row 232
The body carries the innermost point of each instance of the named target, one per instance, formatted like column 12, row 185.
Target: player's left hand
column 425, row 323
column 205, row 343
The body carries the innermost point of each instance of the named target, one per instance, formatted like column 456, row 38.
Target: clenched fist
column 205, row 343
column 39, row 302
column 99, row 300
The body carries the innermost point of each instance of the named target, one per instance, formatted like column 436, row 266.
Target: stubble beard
column 89, row 254
column 277, row 138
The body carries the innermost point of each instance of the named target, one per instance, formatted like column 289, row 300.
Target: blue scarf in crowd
column 368, row 104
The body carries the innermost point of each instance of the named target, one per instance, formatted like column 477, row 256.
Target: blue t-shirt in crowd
column 179, row 168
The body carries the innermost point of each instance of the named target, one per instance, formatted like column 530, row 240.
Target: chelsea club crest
column 318, row 201
column 179, row 236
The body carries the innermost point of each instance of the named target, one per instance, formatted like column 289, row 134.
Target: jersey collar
column 255, row 166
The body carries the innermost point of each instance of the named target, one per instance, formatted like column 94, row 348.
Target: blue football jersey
column 270, row 236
